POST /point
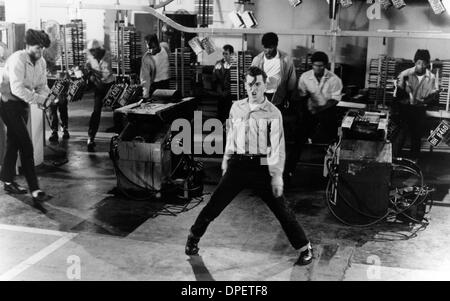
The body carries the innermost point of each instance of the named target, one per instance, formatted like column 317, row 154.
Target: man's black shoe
column 192, row 245
column 53, row 137
column 14, row 188
column 66, row 135
column 41, row 197
column 91, row 145
column 305, row 257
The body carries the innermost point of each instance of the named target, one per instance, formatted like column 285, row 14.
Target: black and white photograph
column 224, row 148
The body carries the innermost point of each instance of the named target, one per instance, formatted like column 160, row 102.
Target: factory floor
column 86, row 232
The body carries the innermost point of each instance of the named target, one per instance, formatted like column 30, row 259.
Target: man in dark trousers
column 24, row 82
column 101, row 75
column 254, row 158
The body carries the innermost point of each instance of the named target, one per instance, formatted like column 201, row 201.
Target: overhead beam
column 259, row 31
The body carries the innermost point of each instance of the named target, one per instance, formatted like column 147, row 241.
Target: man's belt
column 247, row 157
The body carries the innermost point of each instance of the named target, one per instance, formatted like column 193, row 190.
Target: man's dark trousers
column 15, row 116
column 61, row 106
column 249, row 173
column 99, row 95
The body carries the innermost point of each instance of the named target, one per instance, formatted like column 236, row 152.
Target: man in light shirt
column 320, row 91
column 417, row 88
column 254, row 158
column 281, row 78
column 24, row 82
column 221, row 80
column 155, row 66
column 101, row 75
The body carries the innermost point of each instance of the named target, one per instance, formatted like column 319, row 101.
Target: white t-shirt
column 272, row 68
column 420, row 77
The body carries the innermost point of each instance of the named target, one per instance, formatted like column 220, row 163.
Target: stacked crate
column 126, row 48
column 239, row 66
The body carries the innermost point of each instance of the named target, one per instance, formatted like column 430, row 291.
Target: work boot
column 66, row 134
column 14, row 188
column 91, row 145
column 53, row 137
column 192, row 245
column 306, row 256
column 41, row 197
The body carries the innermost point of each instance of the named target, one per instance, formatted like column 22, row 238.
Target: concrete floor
column 87, row 233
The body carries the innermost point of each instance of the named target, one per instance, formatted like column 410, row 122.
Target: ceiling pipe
column 241, row 31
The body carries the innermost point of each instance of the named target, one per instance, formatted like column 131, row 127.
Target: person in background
column 24, row 82
column 281, row 87
column 155, row 66
column 320, row 91
column 100, row 71
column 249, row 162
column 416, row 88
column 221, row 80
column 62, row 107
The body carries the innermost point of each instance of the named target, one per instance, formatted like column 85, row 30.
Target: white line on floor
column 24, row 265
column 32, row 230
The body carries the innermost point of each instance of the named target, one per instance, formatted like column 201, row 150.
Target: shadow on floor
column 201, row 272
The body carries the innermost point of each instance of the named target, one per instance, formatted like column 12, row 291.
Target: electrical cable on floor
column 399, row 164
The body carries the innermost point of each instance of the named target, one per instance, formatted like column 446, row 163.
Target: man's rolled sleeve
column 336, row 89
column 277, row 155
column 292, row 77
column 302, row 89
column 42, row 89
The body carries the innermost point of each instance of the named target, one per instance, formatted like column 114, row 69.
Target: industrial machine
column 142, row 154
column 361, row 170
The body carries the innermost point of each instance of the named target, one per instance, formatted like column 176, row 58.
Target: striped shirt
column 24, row 81
column 257, row 132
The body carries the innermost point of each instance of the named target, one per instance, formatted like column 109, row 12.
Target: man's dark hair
column 269, row 39
column 228, row 48
column 320, row 56
column 152, row 38
column 422, row 54
column 254, row 71
column 37, row 37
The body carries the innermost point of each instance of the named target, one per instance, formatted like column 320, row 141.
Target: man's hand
column 277, row 190
column 224, row 171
